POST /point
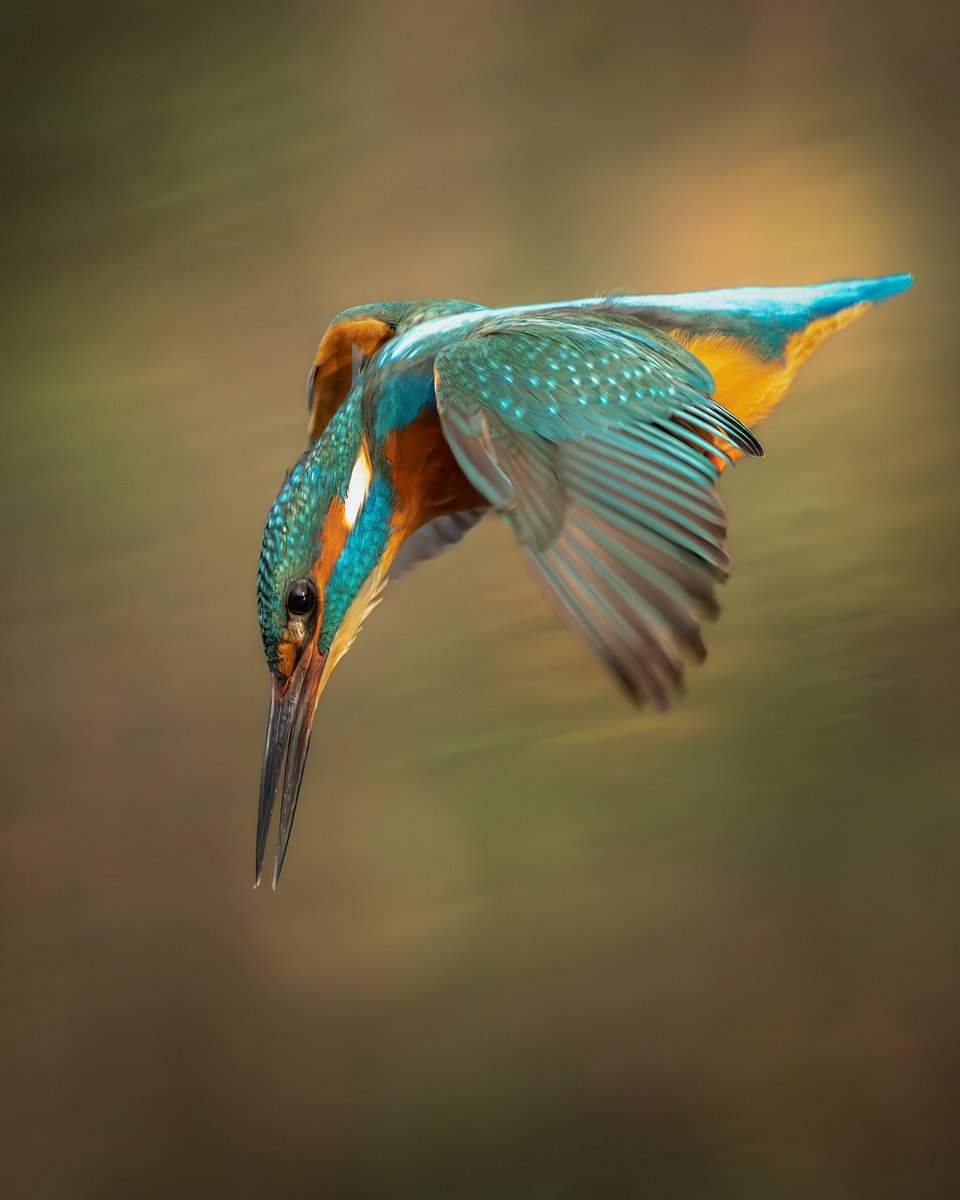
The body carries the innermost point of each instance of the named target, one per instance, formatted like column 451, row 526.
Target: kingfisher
column 596, row 429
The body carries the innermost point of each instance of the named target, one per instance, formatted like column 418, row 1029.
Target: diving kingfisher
column 596, row 429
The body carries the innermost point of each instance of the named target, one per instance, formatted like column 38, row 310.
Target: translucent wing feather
column 432, row 539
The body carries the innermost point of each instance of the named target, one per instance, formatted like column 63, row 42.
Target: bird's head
column 322, row 563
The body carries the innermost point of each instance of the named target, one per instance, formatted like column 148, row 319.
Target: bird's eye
column 302, row 598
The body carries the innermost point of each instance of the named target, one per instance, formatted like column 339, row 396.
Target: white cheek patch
column 358, row 487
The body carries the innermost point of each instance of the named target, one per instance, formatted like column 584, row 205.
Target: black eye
column 302, row 598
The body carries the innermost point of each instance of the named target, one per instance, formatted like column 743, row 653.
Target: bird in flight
column 596, row 429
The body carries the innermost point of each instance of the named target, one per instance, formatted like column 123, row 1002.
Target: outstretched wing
column 596, row 439
column 362, row 331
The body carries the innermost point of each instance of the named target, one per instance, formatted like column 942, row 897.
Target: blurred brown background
column 528, row 946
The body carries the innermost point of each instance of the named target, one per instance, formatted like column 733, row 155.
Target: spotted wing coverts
column 596, row 439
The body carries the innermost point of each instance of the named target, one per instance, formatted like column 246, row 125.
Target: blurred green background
column 529, row 945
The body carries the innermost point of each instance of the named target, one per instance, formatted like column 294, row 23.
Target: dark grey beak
column 293, row 704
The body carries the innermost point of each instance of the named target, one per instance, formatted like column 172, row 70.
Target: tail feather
column 753, row 340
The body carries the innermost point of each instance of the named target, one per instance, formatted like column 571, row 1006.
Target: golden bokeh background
column 529, row 945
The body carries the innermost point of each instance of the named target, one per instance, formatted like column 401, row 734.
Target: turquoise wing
column 597, row 441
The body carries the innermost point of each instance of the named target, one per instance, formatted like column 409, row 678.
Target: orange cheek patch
column 334, row 538
column 287, row 656
column 334, row 534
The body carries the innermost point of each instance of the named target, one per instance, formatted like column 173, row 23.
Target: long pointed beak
column 292, row 709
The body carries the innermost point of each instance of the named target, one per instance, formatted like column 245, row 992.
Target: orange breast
column 428, row 480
